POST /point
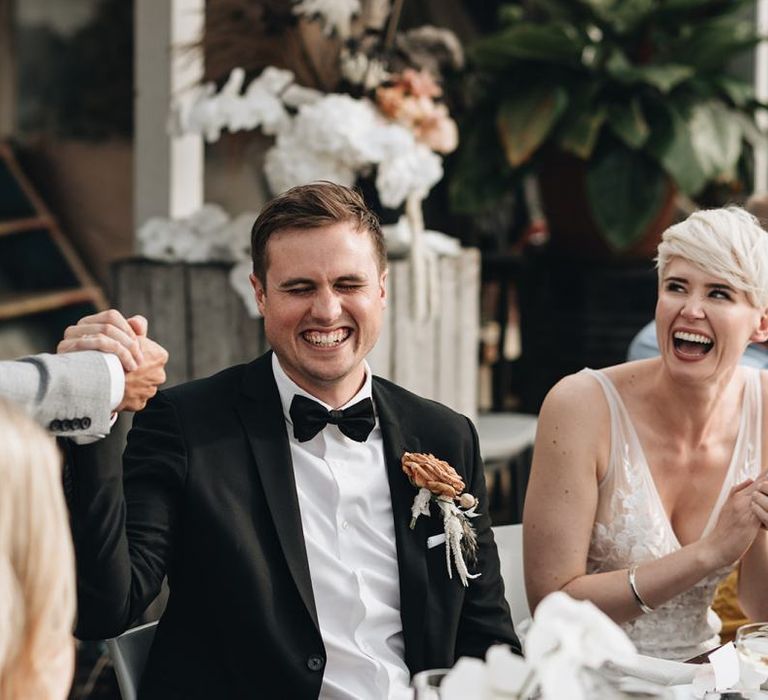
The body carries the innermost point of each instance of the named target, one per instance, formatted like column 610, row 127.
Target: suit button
column 66, row 425
column 55, row 425
column 86, row 423
column 315, row 662
column 77, row 424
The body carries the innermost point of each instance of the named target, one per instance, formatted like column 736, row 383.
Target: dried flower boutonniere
column 438, row 481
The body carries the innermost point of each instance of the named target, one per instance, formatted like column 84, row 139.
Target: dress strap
column 622, row 432
column 750, row 461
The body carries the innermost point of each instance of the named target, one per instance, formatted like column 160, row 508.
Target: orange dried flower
column 428, row 472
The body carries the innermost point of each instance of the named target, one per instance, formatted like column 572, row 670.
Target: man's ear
column 259, row 292
column 383, row 287
column 761, row 334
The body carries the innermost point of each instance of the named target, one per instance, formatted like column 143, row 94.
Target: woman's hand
column 759, row 501
column 738, row 523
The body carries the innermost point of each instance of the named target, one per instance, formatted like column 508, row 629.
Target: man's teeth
column 326, row 339
column 693, row 337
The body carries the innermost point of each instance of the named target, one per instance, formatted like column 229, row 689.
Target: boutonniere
column 439, row 483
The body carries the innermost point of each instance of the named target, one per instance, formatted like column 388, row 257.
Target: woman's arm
column 572, row 445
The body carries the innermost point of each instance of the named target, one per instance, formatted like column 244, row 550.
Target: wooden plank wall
column 194, row 313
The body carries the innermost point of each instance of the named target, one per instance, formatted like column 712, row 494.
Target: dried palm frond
column 254, row 34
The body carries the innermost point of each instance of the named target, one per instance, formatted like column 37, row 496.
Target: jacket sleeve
column 485, row 616
column 68, row 394
column 124, row 519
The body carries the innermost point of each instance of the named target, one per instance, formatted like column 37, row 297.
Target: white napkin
column 660, row 671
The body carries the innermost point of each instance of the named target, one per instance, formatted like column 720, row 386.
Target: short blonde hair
column 727, row 243
column 37, row 571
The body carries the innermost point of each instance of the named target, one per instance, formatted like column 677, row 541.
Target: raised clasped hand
column 143, row 359
column 141, row 384
column 107, row 331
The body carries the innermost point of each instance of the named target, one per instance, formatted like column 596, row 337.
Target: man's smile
column 327, row 339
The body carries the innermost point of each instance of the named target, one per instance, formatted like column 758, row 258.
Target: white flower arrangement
column 209, row 235
column 396, row 136
column 318, row 136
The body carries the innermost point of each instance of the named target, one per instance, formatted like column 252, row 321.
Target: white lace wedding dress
column 631, row 526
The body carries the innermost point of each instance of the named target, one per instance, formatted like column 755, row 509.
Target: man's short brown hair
column 313, row 206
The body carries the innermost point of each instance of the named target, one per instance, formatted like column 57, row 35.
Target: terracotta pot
column 573, row 231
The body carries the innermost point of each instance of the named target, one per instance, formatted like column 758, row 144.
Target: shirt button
column 315, row 662
column 344, row 525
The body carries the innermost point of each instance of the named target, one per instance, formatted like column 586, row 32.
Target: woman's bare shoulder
column 628, row 377
column 573, row 397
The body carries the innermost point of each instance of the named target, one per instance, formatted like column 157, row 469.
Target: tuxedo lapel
column 411, row 544
column 262, row 415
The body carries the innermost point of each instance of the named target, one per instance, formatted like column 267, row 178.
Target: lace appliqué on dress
column 639, row 531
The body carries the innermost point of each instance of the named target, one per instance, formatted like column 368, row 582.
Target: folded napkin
column 659, row 671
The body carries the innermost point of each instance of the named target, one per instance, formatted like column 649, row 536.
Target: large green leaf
column 673, row 13
column 671, row 144
column 626, row 120
column 580, row 135
column 526, row 41
column 626, row 190
column 716, row 139
column 510, row 14
column 750, row 130
column 708, row 45
column 662, row 77
column 740, row 92
column 525, row 121
column 622, row 15
column 478, row 174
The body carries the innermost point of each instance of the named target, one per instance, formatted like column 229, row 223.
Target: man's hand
column 141, row 384
column 143, row 359
column 108, row 331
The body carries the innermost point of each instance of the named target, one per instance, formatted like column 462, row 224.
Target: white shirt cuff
column 116, row 380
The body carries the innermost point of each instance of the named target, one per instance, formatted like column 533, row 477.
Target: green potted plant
column 615, row 104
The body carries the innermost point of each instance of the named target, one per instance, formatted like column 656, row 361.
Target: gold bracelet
column 633, row 587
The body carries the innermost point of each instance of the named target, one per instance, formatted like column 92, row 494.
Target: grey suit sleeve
column 68, row 394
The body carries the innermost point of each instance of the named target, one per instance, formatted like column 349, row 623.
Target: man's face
column 323, row 306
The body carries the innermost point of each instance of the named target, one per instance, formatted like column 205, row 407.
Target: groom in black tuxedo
column 272, row 496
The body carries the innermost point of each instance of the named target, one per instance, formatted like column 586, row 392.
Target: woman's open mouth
column 692, row 344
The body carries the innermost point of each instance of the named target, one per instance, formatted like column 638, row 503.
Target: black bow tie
column 309, row 418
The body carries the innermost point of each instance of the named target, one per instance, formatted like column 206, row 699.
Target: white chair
column 509, row 542
column 129, row 654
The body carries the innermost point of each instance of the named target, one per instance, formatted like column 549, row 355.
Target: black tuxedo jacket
column 207, row 496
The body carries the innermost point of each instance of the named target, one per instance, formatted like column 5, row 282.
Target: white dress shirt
column 346, row 515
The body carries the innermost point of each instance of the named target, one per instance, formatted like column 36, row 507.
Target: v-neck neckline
column 648, row 474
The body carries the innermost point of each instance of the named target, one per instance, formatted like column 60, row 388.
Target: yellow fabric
column 726, row 605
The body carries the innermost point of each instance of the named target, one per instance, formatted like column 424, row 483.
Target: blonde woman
column 648, row 483
column 37, row 577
